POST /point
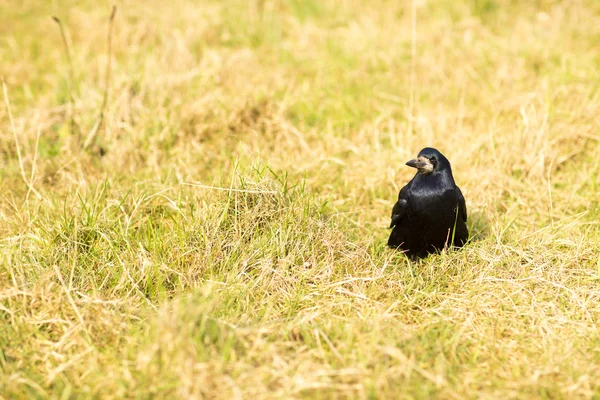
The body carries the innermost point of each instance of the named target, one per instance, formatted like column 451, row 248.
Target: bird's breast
column 434, row 203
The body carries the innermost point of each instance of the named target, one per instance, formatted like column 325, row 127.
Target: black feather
column 430, row 213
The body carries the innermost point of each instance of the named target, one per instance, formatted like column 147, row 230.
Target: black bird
column 430, row 212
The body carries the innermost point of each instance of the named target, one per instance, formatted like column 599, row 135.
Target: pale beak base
column 423, row 164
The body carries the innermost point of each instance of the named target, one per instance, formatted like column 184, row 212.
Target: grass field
column 270, row 278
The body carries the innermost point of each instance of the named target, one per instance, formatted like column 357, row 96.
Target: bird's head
column 429, row 161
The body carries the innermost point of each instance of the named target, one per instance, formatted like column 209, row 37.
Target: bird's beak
column 422, row 164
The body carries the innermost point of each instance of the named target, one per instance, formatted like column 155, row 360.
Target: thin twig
column 34, row 163
column 71, row 77
column 16, row 137
column 100, row 120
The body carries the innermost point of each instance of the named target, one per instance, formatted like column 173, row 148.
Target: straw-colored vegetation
column 118, row 279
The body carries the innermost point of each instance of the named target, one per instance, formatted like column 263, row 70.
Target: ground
column 220, row 231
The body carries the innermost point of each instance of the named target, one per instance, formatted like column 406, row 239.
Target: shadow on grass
column 479, row 229
column 479, row 226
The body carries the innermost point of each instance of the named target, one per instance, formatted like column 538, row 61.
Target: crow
column 431, row 212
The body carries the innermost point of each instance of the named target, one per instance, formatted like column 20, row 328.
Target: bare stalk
column 98, row 125
column 71, row 77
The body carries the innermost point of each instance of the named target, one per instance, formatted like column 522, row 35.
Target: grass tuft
column 225, row 235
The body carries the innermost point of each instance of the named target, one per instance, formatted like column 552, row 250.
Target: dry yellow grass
column 118, row 279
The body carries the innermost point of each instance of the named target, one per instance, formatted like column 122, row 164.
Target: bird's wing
column 461, row 204
column 400, row 207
